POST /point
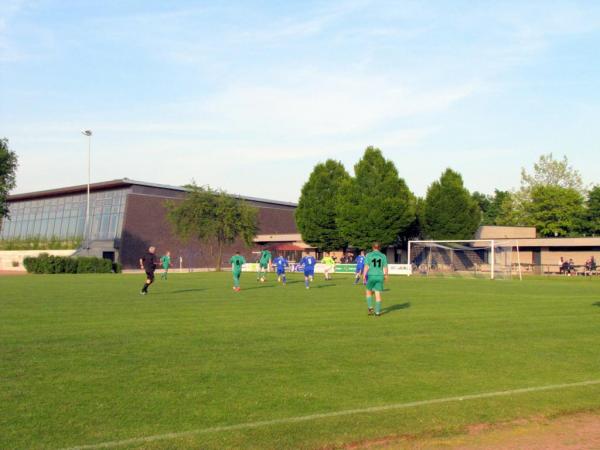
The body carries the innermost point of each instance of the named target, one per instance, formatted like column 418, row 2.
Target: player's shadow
column 294, row 281
column 596, row 304
column 263, row 286
column 321, row 286
column 395, row 307
column 182, row 291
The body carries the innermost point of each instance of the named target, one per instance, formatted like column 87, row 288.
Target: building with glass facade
column 63, row 217
column 126, row 217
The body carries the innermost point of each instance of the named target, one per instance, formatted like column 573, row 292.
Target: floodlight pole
column 86, row 233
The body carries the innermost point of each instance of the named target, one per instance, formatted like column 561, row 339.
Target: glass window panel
column 25, row 228
column 119, row 226
column 72, row 227
column 104, row 227
column 50, row 231
column 80, row 226
column 36, row 227
column 112, row 230
column 44, row 227
column 64, row 227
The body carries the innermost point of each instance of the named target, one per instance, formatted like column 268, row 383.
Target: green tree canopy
column 550, row 172
column 592, row 222
column 8, row 173
column 207, row 214
column 450, row 212
column 484, row 202
column 556, row 210
column 376, row 204
column 491, row 206
column 316, row 212
column 553, row 191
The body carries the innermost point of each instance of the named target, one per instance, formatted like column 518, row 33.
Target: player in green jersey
column 376, row 272
column 264, row 264
column 165, row 262
column 237, row 261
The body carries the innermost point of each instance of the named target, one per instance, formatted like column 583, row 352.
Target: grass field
column 84, row 359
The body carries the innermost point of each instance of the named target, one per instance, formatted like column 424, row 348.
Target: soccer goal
column 494, row 259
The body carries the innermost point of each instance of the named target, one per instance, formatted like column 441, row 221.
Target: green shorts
column 236, row 274
column 375, row 284
column 264, row 265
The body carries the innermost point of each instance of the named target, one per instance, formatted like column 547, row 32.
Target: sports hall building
column 542, row 255
column 128, row 216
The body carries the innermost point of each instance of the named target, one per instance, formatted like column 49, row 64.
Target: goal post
column 482, row 258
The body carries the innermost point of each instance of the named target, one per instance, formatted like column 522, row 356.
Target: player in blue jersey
column 280, row 264
column 309, row 269
column 360, row 266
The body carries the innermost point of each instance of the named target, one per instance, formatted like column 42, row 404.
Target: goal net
column 476, row 258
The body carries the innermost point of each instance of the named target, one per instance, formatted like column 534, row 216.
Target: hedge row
column 45, row 263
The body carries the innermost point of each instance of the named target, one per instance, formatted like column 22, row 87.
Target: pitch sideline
column 347, row 412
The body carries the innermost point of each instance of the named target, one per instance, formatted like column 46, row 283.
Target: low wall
column 8, row 258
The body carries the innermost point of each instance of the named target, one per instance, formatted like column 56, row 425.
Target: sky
column 248, row 96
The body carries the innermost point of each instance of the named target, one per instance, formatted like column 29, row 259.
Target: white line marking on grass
column 347, row 412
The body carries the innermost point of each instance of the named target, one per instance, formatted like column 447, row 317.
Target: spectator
column 590, row 265
column 571, row 266
column 561, row 265
column 564, row 267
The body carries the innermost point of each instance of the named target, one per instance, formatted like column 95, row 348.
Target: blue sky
column 249, row 96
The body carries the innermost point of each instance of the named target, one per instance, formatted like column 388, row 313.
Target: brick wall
column 145, row 224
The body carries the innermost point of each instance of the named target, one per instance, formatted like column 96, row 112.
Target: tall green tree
column 539, row 200
column 8, row 173
column 548, row 171
column 494, row 211
column 207, row 214
column 592, row 219
column 484, row 202
column 376, row 204
column 491, row 206
column 556, row 210
column 316, row 213
column 450, row 211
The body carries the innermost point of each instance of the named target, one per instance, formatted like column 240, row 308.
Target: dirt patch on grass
column 572, row 432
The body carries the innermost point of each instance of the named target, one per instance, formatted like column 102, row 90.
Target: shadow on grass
column 596, row 304
column 321, row 286
column 395, row 307
column 182, row 291
column 264, row 286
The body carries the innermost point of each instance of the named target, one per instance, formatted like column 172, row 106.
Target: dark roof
column 121, row 183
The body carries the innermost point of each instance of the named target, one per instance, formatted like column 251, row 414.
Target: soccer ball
column 262, row 279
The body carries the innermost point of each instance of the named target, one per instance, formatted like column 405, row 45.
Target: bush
column 30, row 264
column 71, row 265
column 45, row 263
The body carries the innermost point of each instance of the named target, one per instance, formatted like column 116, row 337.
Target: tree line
column 337, row 210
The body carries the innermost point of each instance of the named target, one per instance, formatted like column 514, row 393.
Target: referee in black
column 148, row 265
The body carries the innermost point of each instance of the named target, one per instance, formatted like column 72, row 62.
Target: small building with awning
column 543, row 253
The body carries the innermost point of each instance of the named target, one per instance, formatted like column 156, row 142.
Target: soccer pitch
column 86, row 362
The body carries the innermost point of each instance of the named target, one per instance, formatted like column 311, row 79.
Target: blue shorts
column 280, row 271
column 309, row 273
column 359, row 269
